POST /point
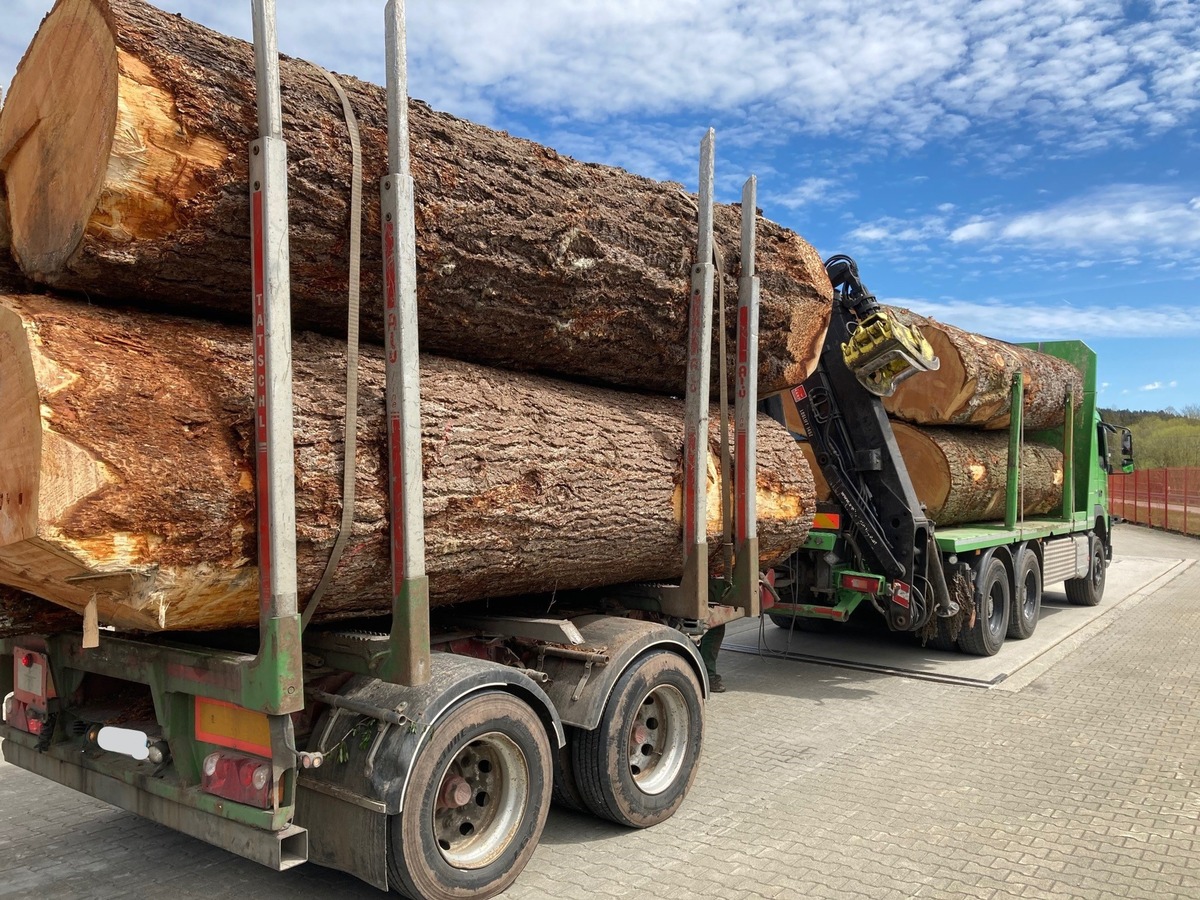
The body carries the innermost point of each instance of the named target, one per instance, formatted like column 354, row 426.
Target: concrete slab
column 901, row 654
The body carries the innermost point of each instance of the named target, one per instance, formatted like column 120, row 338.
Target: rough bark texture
column 527, row 259
column 127, row 467
column 973, row 385
column 961, row 476
column 22, row 613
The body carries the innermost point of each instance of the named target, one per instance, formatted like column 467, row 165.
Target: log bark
column 973, row 385
column 126, row 472
column 527, row 259
column 961, row 475
column 22, row 613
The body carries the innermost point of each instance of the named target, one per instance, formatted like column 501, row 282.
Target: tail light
column 243, row 779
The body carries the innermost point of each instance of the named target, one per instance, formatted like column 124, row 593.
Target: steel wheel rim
column 1031, row 587
column 995, row 609
column 473, row 834
column 658, row 739
column 1097, row 568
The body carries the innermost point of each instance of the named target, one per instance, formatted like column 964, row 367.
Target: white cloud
column 809, row 192
column 1173, row 384
column 1152, row 386
column 1024, row 321
column 1080, row 74
column 1122, row 220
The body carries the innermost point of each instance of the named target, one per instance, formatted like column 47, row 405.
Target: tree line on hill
column 1161, row 438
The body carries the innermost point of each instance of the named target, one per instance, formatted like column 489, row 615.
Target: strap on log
column 349, row 466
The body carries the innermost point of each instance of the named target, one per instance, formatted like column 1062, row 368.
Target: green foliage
column 1164, row 438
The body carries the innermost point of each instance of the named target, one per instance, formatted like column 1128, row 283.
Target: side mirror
column 1126, row 451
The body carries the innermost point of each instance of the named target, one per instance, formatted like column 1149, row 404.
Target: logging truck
column 419, row 752
column 874, row 544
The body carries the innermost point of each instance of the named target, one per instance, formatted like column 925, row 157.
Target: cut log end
column 20, row 433
column 57, row 129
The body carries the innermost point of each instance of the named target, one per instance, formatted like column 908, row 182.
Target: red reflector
column 27, row 660
column 243, row 779
column 865, row 584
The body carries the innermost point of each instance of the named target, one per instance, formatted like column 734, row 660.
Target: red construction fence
column 1161, row 498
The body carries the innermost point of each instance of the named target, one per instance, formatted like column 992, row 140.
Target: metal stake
column 407, row 661
column 746, row 569
column 278, row 659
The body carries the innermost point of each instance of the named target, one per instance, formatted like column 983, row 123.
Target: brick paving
column 816, row 782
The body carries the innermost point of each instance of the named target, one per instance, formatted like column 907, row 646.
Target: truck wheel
column 566, row 790
column 636, row 767
column 480, row 792
column 992, row 606
column 1088, row 590
column 1027, row 604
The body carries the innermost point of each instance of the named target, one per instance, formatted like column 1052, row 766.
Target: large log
column 126, row 473
column 961, row 475
column 973, row 385
column 123, row 145
column 22, row 613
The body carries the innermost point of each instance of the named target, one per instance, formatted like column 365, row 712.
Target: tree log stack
column 127, row 473
column 123, row 144
column 961, row 475
column 972, row 388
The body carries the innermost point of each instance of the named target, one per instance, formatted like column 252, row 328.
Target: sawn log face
column 527, row 259
column 973, row 386
column 961, row 475
column 128, row 438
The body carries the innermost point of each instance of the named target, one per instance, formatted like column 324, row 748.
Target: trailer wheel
column 1088, row 590
column 636, row 767
column 479, row 799
column 566, row 790
column 993, row 598
column 1027, row 604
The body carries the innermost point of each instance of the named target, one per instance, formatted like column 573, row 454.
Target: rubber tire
column 803, row 623
column 566, row 790
column 1089, row 590
column 416, row 866
column 600, row 755
column 986, row 636
column 1023, row 617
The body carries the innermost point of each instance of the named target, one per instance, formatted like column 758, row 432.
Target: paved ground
column 1081, row 779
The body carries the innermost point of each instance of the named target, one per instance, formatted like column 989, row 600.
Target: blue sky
column 1022, row 169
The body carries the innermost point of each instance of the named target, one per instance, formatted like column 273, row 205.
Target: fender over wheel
column 1088, row 590
column 481, row 792
column 637, row 766
column 1027, row 602
column 993, row 602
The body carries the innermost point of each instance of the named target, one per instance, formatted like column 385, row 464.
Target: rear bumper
column 277, row 850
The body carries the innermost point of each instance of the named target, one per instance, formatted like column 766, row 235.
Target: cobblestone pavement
column 816, row 782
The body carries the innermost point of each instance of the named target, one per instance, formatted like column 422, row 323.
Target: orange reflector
column 827, row 521
column 227, row 725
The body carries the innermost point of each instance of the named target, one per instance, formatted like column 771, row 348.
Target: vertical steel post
column 745, row 405
column 691, row 601
column 1186, row 500
column 278, row 667
column 1068, row 488
column 407, row 660
column 1016, row 422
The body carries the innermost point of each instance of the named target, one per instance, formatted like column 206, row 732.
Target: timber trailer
column 969, row 586
column 421, row 758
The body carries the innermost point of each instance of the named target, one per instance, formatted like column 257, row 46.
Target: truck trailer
column 874, row 546
column 419, row 753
